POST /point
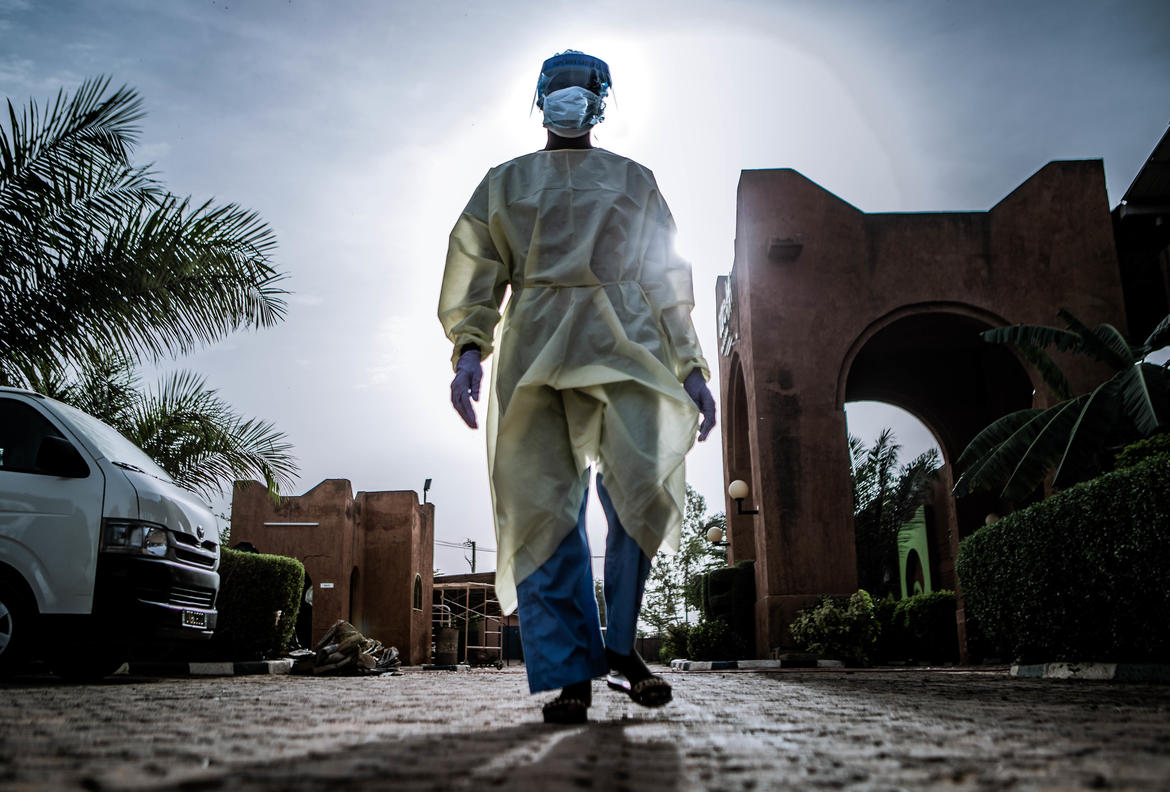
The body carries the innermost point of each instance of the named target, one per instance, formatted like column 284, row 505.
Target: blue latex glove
column 701, row 395
column 465, row 386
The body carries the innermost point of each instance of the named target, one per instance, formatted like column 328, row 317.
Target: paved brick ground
column 480, row 730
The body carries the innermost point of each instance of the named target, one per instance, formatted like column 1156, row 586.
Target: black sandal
column 653, row 691
column 562, row 710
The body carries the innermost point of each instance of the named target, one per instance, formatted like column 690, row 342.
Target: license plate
column 194, row 619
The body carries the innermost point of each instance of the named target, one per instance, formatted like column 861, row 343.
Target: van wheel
column 17, row 627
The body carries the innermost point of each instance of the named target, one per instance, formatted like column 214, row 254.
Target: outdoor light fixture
column 715, row 536
column 738, row 491
column 426, row 486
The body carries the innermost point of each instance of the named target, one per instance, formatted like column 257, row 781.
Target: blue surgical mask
column 572, row 111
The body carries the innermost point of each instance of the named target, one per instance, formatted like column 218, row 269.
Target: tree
column 182, row 424
column 101, row 267
column 671, row 590
column 884, row 498
column 599, row 595
column 97, row 258
column 1073, row 439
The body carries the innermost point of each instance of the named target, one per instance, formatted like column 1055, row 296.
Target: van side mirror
column 56, row 456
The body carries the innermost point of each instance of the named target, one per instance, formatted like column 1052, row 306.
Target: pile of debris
column 345, row 651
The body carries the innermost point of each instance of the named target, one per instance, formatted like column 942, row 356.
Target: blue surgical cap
column 570, row 68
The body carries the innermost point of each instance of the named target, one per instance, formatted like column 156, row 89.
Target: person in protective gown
column 597, row 364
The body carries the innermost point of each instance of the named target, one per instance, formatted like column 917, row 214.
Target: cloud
column 305, row 298
column 15, row 70
column 153, row 152
column 390, row 350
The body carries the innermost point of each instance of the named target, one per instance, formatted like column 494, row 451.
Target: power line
column 464, row 546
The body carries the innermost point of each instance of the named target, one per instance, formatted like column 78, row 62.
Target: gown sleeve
column 666, row 280
column 475, row 278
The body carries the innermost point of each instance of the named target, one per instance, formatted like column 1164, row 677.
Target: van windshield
column 112, row 445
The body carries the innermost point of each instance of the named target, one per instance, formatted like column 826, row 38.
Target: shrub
column 713, row 639
column 1136, row 453
column 252, row 588
column 1083, row 575
column 839, row 627
column 920, row 628
column 674, row 642
column 889, row 643
column 926, row 626
column 729, row 593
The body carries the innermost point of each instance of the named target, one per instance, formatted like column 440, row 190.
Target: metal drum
column 447, row 646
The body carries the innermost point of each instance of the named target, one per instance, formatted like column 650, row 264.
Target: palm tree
column 884, row 498
column 96, row 257
column 1073, row 438
column 183, row 425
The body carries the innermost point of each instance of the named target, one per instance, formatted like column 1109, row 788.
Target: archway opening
column 740, row 527
column 906, row 517
column 356, row 615
column 304, row 628
column 948, row 384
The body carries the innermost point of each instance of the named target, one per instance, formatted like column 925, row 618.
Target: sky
column 358, row 130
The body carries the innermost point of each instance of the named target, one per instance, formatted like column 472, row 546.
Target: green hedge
column 1081, row 576
column 252, row 588
column 729, row 594
column 714, row 639
column 1142, row 450
column 924, row 628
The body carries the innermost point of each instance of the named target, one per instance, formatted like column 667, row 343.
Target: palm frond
column 1044, row 451
column 165, row 281
column 992, row 435
column 89, row 125
column 1095, row 427
column 985, row 460
column 95, row 256
column 108, row 389
column 198, row 439
column 915, row 480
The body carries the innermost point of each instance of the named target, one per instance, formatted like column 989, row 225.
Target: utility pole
column 471, row 544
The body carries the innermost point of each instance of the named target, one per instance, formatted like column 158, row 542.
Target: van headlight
column 135, row 536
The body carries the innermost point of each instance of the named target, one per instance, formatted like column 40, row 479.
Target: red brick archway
column 827, row 304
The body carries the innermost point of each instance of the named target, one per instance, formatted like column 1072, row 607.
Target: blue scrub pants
column 559, row 623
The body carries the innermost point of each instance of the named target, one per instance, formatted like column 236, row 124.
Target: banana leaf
column 1159, row 338
column 987, row 456
column 1039, row 336
column 1103, row 342
column 1097, row 427
column 1045, row 450
column 1051, row 373
column 1145, row 392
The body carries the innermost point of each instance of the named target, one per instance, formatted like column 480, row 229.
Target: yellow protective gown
column 595, row 341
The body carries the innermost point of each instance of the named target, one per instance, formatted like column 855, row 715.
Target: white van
column 100, row 551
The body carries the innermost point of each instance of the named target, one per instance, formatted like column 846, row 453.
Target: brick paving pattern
column 741, row 730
